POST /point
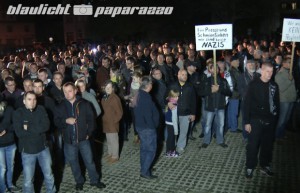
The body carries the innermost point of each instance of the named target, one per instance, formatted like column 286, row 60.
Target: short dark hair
column 153, row 52
column 169, row 55
column 38, row 81
column 27, row 93
column 70, row 84
column 33, row 64
column 154, row 69
column 88, row 56
column 67, row 58
column 27, row 79
column 114, row 87
column 43, row 70
column 9, row 79
column 61, row 63
column 146, row 80
column 106, row 58
column 267, row 64
column 131, row 59
column 57, row 73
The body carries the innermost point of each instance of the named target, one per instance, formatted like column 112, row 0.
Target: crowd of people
column 54, row 103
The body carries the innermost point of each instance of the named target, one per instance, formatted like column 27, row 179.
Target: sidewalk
column 213, row 169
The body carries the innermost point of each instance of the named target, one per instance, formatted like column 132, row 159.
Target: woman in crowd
column 112, row 115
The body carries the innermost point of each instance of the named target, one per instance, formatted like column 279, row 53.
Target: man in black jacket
column 234, row 100
column 7, row 147
column 186, row 106
column 75, row 117
column 215, row 103
column 194, row 79
column 31, row 124
column 261, row 109
column 159, row 92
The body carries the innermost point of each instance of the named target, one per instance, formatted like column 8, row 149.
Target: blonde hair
column 173, row 94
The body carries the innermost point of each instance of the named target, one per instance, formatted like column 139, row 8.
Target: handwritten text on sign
column 291, row 30
column 213, row 37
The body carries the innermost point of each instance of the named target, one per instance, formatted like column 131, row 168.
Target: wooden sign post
column 292, row 60
column 215, row 66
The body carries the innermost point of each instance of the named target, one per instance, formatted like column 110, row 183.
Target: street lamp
column 50, row 39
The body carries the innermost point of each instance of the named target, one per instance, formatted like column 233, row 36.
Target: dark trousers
column 71, row 154
column 148, row 147
column 170, row 138
column 260, row 140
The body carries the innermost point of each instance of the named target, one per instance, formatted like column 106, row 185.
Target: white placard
column 291, row 30
column 213, row 37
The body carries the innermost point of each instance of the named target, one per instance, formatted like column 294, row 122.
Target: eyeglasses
column 11, row 85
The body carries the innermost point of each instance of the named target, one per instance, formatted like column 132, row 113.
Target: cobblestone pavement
column 213, row 169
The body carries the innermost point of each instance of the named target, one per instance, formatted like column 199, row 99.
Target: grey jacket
column 92, row 99
column 287, row 89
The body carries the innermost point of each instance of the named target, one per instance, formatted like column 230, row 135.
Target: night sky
column 179, row 25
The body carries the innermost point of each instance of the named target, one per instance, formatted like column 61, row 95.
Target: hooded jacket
column 85, row 124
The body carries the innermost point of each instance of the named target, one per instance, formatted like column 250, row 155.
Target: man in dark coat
column 31, row 124
column 75, row 117
column 261, row 109
column 146, row 120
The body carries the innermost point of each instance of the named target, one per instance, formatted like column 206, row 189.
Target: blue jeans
column 232, row 114
column 284, row 115
column 219, row 116
column 45, row 161
column 148, row 146
column 71, row 155
column 7, row 157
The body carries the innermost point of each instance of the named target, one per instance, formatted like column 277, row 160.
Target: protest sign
column 291, row 30
column 213, row 37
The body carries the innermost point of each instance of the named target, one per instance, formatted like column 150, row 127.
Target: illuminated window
column 294, row 6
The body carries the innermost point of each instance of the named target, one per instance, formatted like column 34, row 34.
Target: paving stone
column 198, row 170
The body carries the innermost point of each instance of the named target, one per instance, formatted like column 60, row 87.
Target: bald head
column 182, row 75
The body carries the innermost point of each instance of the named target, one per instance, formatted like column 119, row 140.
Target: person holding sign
column 288, row 96
column 215, row 104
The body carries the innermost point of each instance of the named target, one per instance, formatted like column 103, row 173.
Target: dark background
column 244, row 15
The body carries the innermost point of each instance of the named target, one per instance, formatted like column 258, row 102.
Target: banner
column 291, row 30
column 213, row 37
